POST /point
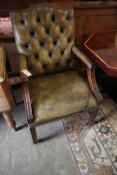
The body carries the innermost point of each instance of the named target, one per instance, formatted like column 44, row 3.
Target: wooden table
column 102, row 49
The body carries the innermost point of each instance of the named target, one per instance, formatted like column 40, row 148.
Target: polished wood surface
column 102, row 48
column 7, row 5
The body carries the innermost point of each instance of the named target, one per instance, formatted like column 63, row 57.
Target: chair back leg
column 33, row 134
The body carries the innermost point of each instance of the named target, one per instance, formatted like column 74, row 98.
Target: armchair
column 52, row 88
column 6, row 100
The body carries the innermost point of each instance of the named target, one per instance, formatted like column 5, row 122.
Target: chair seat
column 58, row 95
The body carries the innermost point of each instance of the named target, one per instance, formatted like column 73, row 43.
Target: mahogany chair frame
column 25, row 75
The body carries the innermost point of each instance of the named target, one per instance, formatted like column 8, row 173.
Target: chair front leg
column 93, row 84
column 33, row 133
column 96, row 93
column 28, row 110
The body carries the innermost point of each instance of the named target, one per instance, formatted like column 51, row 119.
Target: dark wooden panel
column 98, row 23
column 92, row 20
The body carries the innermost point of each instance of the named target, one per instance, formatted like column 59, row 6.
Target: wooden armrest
column 90, row 73
column 24, row 73
column 2, row 64
column 82, row 57
column 27, row 101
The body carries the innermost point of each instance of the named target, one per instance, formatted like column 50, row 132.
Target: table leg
column 9, row 119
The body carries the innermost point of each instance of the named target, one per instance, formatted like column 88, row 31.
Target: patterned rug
column 94, row 149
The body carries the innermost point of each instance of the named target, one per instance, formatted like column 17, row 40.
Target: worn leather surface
column 60, row 94
column 45, row 34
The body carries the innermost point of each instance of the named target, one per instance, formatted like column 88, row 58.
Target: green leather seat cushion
column 57, row 95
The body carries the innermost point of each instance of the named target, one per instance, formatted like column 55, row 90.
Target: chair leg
column 92, row 117
column 9, row 119
column 33, row 134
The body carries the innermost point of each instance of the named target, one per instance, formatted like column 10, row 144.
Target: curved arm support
column 93, row 84
column 80, row 55
column 90, row 73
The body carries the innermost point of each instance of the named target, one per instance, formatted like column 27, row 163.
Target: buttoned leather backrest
column 45, row 34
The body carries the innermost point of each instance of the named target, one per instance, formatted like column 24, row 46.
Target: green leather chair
column 52, row 86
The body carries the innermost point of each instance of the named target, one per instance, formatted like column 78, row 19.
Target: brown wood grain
column 102, row 48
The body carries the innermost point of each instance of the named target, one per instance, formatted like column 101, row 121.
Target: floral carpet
column 94, row 149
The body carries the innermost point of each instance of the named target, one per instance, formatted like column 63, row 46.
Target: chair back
column 45, row 35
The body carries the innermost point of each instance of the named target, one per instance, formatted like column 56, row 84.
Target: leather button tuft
column 62, row 29
column 62, row 52
column 32, row 33
column 45, row 66
column 42, row 44
column 47, row 31
column 37, row 56
column 53, row 18
column 69, row 40
column 55, row 42
column 22, row 22
column 38, row 19
column 50, row 54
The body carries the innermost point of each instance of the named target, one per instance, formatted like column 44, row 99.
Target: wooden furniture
column 102, row 48
column 6, row 101
column 45, row 41
column 87, row 14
